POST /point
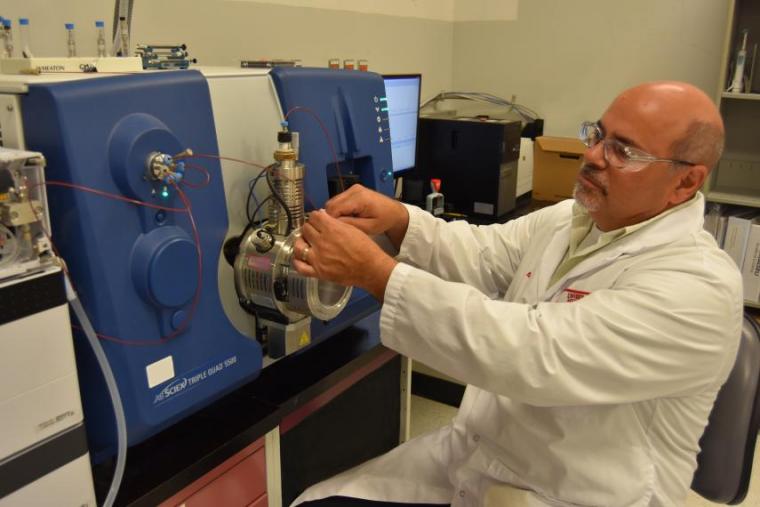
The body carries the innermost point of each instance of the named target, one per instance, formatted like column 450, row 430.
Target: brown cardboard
column 556, row 161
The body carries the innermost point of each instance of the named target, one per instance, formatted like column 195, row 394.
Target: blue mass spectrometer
column 187, row 284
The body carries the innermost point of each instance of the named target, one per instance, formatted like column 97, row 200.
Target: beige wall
column 568, row 58
column 222, row 32
column 564, row 58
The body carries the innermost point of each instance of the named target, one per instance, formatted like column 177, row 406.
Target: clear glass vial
column 101, row 32
column 24, row 38
column 71, row 42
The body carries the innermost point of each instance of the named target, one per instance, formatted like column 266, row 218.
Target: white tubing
column 121, row 423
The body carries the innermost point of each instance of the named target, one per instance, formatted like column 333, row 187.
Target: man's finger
column 363, row 224
column 347, row 194
column 347, row 206
column 337, row 199
column 304, row 269
column 322, row 221
column 309, row 233
column 298, row 248
column 345, row 203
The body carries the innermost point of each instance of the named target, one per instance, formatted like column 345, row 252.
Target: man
column 594, row 334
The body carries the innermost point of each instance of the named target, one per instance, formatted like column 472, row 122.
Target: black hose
column 251, row 224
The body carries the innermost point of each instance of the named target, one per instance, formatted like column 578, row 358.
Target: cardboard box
column 556, row 162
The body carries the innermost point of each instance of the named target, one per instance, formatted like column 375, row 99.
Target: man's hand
column 341, row 253
column 371, row 212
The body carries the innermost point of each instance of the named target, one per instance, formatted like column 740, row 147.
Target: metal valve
column 166, row 168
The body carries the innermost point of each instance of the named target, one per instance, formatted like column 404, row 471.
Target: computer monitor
column 402, row 92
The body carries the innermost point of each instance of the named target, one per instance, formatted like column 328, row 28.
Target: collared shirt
column 586, row 238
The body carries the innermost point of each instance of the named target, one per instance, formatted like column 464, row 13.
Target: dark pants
column 342, row 501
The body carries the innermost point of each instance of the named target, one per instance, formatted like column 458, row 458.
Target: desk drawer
column 241, row 480
column 261, row 502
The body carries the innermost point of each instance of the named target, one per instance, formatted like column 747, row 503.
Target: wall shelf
column 740, row 96
column 733, row 195
column 736, row 179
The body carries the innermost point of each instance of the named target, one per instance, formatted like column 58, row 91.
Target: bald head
column 683, row 115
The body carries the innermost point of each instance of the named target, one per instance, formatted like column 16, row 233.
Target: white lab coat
column 592, row 391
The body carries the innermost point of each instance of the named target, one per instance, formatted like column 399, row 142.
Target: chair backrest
column 724, row 464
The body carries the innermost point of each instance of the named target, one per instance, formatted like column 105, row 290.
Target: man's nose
column 594, row 156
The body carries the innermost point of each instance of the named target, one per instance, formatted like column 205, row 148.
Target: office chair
column 724, row 465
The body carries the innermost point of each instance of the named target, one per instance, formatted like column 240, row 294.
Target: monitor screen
column 403, row 101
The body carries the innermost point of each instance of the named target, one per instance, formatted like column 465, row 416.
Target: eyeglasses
column 620, row 155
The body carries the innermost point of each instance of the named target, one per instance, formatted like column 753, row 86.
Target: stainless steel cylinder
column 287, row 180
column 264, row 275
column 267, row 279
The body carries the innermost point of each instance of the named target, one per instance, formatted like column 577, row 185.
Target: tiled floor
column 428, row 415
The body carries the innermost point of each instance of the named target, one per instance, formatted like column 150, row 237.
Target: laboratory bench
column 524, row 204
column 306, row 417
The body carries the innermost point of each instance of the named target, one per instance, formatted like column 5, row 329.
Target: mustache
column 593, row 174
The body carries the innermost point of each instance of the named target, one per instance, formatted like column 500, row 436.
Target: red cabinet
column 239, row 481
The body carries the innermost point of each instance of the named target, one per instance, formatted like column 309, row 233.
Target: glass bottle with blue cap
column 71, row 42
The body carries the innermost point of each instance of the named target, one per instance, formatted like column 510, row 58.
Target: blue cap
column 6, row 23
column 69, row 26
column 99, row 24
column 23, row 21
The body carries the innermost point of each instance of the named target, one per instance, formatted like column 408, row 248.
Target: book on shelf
column 737, row 234
column 751, row 266
column 715, row 221
column 737, row 231
column 720, row 234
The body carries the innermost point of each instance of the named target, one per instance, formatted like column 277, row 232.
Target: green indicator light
column 164, row 193
column 383, row 99
column 383, row 109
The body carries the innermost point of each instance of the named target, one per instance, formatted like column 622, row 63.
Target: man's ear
column 690, row 180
